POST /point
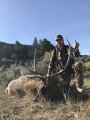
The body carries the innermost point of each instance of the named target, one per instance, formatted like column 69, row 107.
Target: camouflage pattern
column 58, row 60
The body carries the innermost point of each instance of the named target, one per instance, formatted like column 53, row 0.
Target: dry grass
column 13, row 72
column 87, row 65
column 16, row 108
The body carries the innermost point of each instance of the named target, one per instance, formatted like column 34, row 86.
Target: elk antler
column 67, row 63
column 57, row 73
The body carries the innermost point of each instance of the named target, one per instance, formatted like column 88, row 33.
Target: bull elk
column 30, row 82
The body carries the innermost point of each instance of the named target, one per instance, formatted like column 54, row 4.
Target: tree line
column 20, row 51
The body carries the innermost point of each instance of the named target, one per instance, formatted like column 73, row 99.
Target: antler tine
column 68, row 61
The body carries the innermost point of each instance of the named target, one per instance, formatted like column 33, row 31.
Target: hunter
column 59, row 58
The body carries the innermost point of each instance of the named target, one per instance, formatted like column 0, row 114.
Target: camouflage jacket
column 59, row 58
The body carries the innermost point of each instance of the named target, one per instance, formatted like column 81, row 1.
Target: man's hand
column 76, row 44
column 49, row 75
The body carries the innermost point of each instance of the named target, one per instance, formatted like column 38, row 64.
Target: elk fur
column 24, row 85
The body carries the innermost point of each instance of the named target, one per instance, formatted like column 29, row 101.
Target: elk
column 24, row 85
column 41, row 84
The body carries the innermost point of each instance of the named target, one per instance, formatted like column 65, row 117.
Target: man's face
column 59, row 42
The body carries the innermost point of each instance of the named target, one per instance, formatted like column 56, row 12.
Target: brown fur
column 23, row 85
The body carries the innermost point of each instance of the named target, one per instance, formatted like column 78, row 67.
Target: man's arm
column 76, row 52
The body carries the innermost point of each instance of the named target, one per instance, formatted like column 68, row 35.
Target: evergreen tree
column 46, row 45
column 35, row 42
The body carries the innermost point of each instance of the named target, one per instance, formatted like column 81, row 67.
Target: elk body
column 24, row 85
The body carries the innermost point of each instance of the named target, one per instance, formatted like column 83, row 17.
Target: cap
column 58, row 37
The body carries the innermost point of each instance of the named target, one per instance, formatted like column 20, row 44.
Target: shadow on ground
column 62, row 94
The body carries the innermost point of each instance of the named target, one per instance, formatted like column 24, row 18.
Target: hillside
column 20, row 51
column 24, row 108
column 17, row 108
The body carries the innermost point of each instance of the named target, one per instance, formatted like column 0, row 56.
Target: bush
column 12, row 72
column 87, row 65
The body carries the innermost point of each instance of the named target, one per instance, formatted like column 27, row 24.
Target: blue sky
column 23, row 20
